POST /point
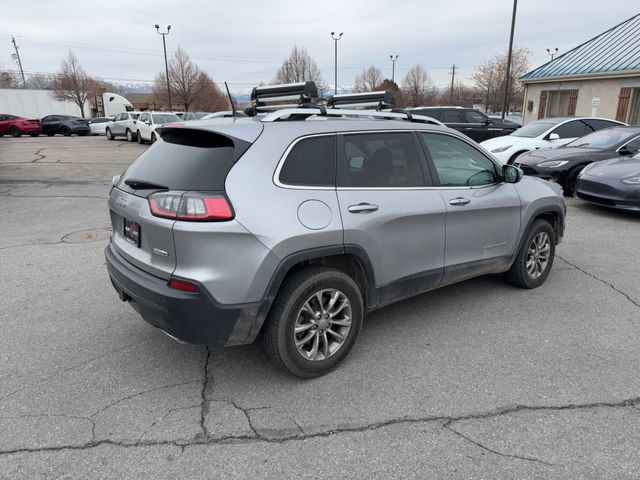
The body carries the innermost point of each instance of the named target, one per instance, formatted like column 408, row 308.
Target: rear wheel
column 140, row 140
column 66, row 131
column 314, row 321
column 109, row 134
column 129, row 136
column 15, row 132
column 535, row 258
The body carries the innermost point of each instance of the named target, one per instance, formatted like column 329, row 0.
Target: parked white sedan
column 544, row 134
column 147, row 123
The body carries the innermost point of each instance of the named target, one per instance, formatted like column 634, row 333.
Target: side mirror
column 511, row 174
column 625, row 150
column 553, row 136
column 147, row 122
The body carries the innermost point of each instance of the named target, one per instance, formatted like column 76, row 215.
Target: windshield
column 601, row 139
column 165, row 118
column 534, row 129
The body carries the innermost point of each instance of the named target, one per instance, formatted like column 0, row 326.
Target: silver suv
column 294, row 225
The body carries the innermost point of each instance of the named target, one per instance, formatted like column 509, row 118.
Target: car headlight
column 635, row 180
column 553, row 163
column 501, row 149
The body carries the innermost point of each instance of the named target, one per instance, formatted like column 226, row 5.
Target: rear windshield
column 164, row 118
column 602, row 139
column 186, row 160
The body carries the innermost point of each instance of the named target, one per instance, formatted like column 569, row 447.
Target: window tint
column 311, row 162
column 453, row 116
column 380, row 160
column 572, row 129
column 457, row 163
column 634, row 145
column 475, row 117
column 164, row 118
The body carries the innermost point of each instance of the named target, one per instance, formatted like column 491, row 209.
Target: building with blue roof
column 600, row 77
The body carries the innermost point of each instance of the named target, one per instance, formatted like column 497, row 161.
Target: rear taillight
column 190, row 206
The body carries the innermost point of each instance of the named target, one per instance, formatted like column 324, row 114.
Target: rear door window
column 475, row 117
column 595, row 125
column 453, row 116
column 186, row 160
column 311, row 162
column 572, row 129
column 381, row 160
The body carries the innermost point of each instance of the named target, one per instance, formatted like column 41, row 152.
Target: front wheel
column 129, row 136
column 314, row 321
column 153, row 138
column 109, row 134
column 570, row 182
column 140, row 139
column 535, row 258
column 15, row 132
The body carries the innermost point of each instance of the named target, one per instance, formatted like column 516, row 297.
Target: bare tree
column 8, row 79
column 418, row 88
column 490, row 78
column 462, row 95
column 39, row 81
column 299, row 67
column 71, row 83
column 210, row 98
column 184, row 80
column 368, row 80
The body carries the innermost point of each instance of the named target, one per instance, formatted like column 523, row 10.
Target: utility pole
column 507, row 91
column 453, row 76
column 13, row 40
column 166, row 65
column 335, row 41
column 393, row 67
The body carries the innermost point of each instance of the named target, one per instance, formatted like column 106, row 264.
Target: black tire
column 518, row 274
column 514, row 156
column 130, row 136
column 570, row 181
column 66, row 131
column 153, row 137
column 15, row 132
column 278, row 333
column 139, row 137
column 108, row 133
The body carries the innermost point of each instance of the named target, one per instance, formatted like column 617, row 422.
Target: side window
column 475, row 117
column 3, row 118
column 457, row 163
column 117, row 118
column 453, row 116
column 9, row 117
column 381, row 160
column 634, row 145
column 599, row 124
column 572, row 129
column 311, row 162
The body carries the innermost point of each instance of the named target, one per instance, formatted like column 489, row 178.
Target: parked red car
column 16, row 126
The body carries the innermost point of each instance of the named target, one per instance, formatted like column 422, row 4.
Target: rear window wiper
column 143, row 185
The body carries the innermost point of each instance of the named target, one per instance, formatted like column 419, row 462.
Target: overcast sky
column 244, row 41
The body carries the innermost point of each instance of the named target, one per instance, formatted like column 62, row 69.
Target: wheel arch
column 552, row 214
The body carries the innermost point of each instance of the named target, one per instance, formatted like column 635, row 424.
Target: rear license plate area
column 131, row 232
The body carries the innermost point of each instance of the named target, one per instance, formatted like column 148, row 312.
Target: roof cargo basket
column 378, row 100
column 274, row 97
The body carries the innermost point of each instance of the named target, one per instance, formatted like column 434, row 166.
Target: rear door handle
column 362, row 208
column 459, row 201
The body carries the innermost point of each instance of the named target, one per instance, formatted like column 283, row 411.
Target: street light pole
column 335, row 41
column 554, row 53
column 166, row 65
column 393, row 67
column 507, row 82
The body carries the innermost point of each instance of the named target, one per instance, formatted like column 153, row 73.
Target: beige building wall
column 603, row 92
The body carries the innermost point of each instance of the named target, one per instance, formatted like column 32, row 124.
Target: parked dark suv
column 65, row 124
column 472, row 123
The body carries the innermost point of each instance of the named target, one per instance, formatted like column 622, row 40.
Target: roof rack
column 377, row 100
column 293, row 114
column 293, row 94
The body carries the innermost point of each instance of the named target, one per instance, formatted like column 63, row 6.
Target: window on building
column 558, row 104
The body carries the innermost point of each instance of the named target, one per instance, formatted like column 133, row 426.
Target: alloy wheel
column 538, row 255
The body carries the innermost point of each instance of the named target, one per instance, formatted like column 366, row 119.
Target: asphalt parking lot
column 477, row 380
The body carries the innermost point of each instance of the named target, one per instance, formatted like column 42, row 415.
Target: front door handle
column 459, row 201
column 362, row 208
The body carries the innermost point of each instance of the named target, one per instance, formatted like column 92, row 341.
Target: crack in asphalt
column 38, row 154
column 204, row 405
column 30, row 245
column 447, row 421
column 496, row 452
column 169, row 412
column 613, row 287
column 137, row 394
column 75, row 366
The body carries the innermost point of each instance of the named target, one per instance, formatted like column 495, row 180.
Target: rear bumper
column 29, row 129
column 190, row 317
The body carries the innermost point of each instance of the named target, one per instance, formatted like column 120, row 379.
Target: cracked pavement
column 476, row 380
